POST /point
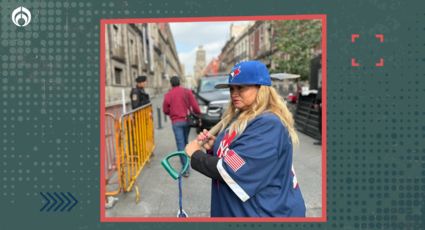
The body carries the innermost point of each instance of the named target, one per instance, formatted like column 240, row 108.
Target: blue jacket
column 259, row 178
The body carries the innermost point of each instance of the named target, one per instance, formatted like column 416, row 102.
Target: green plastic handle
column 173, row 173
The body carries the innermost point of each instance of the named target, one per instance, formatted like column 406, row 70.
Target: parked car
column 212, row 102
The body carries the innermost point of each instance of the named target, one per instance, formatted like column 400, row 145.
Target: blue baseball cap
column 248, row 73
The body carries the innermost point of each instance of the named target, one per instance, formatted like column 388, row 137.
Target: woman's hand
column 192, row 147
column 206, row 138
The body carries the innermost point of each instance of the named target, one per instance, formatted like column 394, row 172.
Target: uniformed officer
column 138, row 95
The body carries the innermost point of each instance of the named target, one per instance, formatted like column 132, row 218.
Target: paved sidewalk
column 159, row 192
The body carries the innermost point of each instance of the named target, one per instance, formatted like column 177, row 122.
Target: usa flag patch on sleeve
column 233, row 160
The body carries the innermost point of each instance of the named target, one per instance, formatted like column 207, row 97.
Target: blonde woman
column 250, row 160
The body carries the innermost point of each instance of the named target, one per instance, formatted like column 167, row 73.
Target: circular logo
column 21, row 16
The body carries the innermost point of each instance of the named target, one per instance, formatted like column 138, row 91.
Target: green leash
column 177, row 175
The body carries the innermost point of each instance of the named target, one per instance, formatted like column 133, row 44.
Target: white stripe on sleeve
column 238, row 190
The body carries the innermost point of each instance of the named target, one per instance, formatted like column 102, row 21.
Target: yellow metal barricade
column 112, row 159
column 136, row 144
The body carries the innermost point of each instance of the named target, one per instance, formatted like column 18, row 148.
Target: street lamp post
column 270, row 29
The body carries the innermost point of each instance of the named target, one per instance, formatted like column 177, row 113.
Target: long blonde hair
column 267, row 100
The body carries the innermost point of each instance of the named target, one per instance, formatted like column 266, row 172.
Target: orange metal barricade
column 113, row 184
column 134, row 144
column 112, row 163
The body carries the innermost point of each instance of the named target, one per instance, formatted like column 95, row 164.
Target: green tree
column 295, row 42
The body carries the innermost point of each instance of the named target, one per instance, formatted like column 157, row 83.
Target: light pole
column 270, row 29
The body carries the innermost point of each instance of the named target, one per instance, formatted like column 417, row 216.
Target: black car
column 212, row 102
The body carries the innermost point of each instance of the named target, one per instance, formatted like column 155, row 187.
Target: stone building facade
column 139, row 49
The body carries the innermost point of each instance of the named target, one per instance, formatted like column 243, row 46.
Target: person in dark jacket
column 138, row 95
column 177, row 104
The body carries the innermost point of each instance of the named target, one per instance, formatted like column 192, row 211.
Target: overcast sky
column 189, row 35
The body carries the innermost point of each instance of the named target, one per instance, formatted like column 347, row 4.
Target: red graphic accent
column 380, row 63
column 380, row 37
column 224, row 144
column 233, row 160
column 235, row 72
column 354, row 63
column 354, row 37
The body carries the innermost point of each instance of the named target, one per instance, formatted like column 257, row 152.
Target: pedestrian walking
column 177, row 104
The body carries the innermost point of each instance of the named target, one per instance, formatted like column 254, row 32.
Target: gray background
column 376, row 119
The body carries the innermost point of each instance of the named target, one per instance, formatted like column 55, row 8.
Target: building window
column 261, row 36
column 118, row 75
column 116, row 35
column 133, row 51
column 133, row 44
column 135, row 74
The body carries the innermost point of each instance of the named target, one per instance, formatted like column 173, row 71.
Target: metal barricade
column 112, row 163
column 134, row 144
